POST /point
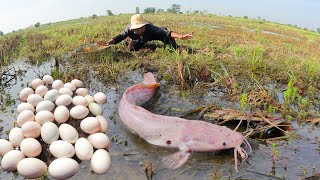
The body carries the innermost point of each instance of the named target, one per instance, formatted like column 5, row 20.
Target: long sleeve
column 124, row 34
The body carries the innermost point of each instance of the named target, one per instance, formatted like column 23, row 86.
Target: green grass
column 247, row 49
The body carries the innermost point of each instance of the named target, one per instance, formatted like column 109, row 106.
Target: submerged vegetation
column 246, row 58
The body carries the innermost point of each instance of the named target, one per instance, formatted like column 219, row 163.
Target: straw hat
column 137, row 21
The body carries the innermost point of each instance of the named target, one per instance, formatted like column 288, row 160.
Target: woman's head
column 138, row 24
column 140, row 30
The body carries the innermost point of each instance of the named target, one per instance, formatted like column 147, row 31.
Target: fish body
column 173, row 132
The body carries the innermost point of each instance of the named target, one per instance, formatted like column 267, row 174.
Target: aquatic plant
column 291, row 92
column 243, row 102
column 275, row 151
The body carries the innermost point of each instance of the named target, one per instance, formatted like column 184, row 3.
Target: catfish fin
column 176, row 160
column 149, row 79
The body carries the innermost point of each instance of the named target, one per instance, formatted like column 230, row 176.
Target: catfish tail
column 149, row 79
column 139, row 94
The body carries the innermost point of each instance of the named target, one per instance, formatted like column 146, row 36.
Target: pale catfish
column 174, row 132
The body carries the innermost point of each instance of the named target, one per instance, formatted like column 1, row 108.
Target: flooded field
column 298, row 157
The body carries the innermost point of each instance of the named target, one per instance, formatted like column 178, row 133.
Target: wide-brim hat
column 137, row 21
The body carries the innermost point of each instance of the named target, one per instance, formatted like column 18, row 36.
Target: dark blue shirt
column 152, row 32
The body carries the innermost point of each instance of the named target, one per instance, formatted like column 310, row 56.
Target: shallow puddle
column 297, row 158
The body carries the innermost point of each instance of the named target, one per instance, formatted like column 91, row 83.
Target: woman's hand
column 100, row 43
column 183, row 37
column 186, row 36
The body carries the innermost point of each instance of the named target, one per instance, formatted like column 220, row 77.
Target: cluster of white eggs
column 42, row 116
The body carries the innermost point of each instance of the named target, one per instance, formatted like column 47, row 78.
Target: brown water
column 298, row 157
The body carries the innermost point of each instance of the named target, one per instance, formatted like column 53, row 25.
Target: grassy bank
column 243, row 56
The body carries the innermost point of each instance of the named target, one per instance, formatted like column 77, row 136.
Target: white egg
column 30, row 147
column 25, row 93
column 41, row 90
column 25, row 106
column 32, row 168
column 100, row 98
column 90, row 125
column 11, row 159
column 5, row 146
column 79, row 112
column 68, row 133
column 61, row 149
column 104, row 124
column 36, row 82
column 31, row 129
column 49, row 132
column 100, row 161
column 34, row 99
column 45, row 105
column 65, row 91
column 99, row 141
column 84, row 149
column 95, row 109
column 89, row 98
column 25, row 116
column 57, row 84
column 64, row 100
column 80, row 100
column 61, row 114
column 82, row 92
column 16, row 136
column 71, row 86
column 43, row 117
column 63, row 168
column 77, row 83
column 47, row 79
column 52, row 95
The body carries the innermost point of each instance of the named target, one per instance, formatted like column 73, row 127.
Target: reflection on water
column 129, row 152
column 272, row 33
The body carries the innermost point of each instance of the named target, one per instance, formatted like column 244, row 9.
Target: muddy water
column 298, row 157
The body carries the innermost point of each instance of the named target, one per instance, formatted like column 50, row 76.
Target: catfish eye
column 224, row 143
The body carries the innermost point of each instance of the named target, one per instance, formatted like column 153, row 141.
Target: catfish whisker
column 247, row 143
